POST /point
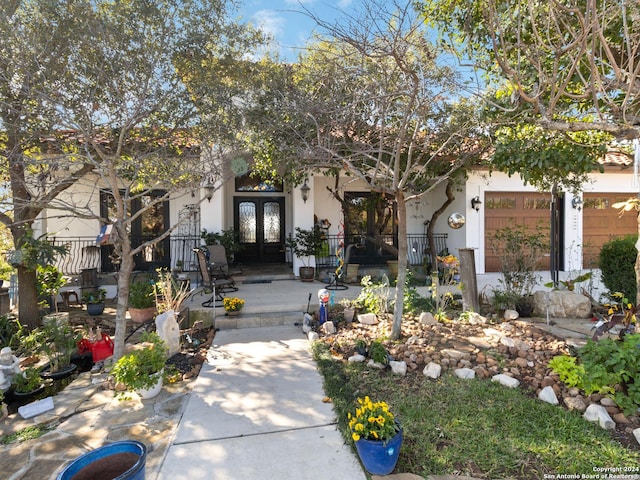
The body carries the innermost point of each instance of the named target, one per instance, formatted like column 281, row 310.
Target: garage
column 601, row 223
column 509, row 208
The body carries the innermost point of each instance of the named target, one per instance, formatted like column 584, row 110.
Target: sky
column 285, row 22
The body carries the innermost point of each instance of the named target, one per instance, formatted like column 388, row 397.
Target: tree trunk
column 28, row 311
column 124, row 281
column 398, row 309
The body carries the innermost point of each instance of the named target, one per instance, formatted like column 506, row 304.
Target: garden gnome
column 9, row 366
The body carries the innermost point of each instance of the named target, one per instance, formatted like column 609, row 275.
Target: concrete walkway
column 256, row 411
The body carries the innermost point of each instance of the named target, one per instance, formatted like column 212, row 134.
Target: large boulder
column 561, row 304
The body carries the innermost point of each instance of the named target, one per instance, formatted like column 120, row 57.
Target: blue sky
column 283, row 20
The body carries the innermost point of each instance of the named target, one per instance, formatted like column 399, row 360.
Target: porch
column 177, row 253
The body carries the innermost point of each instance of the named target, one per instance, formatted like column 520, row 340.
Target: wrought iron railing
column 83, row 253
column 372, row 252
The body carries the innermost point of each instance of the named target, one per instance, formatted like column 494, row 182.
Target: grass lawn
column 476, row 427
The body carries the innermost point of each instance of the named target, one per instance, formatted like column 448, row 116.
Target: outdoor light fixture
column 576, row 203
column 475, row 203
column 304, row 191
column 209, row 188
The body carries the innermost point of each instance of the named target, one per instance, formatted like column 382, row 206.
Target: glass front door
column 260, row 226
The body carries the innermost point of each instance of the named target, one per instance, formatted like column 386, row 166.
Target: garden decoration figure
column 9, row 366
column 323, row 299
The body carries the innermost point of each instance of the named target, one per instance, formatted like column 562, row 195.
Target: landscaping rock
column 575, row 403
column 511, row 315
column 636, row 434
column 426, row 318
column 561, row 304
column 597, row 413
column 357, row 358
column 432, row 370
column 399, row 368
column 328, row 328
column 168, row 329
column 506, row 380
column 547, row 394
column 368, row 318
column 465, row 373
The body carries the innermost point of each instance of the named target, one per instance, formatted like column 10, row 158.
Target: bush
column 617, row 262
column 607, row 366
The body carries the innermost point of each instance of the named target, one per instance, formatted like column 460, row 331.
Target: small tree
column 520, row 251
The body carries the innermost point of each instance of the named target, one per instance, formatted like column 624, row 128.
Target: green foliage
column 136, row 369
column 566, row 367
column 142, row 294
column 33, row 252
column 570, row 283
column 228, row 238
column 305, row 243
column 49, row 281
column 527, row 435
column 94, row 296
column 545, row 158
column 519, row 249
column 617, row 264
column 11, row 331
column 56, row 339
column 378, row 353
column 606, row 366
column 374, row 297
column 27, row 381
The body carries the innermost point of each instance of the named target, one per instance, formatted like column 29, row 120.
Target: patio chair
column 219, row 266
column 217, row 286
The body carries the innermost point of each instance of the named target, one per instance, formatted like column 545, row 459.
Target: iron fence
column 83, row 253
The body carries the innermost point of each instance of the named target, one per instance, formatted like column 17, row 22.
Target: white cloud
column 269, row 22
column 344, row 4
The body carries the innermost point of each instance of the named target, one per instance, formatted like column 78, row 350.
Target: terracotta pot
column 307, row 274
column 141, row 315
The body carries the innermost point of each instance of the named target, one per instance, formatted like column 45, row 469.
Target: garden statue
column 9, row 366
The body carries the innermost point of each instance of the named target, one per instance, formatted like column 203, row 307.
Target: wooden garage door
column 509, row 208
column 601, row 223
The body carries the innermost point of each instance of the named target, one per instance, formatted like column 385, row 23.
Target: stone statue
column 9, row 366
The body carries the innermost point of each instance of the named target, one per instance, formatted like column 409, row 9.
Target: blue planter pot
column 95, row 308
column 123, row 460
column 379, row 458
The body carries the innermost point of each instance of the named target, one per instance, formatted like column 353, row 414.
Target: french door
column 259, row 222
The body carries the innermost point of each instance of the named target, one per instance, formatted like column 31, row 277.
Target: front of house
column 264, row 215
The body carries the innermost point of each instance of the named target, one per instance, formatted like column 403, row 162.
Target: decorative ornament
column 239, row 166
column 456, row 220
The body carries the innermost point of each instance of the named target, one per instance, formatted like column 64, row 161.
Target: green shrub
column 607, row 366
column 617, row 262
column 378, row 353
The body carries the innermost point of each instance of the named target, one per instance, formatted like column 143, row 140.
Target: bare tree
column 564, row 65
column 103, row 86
column 370, row 100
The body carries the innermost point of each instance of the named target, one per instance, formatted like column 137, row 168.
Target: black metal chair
column 216, row 284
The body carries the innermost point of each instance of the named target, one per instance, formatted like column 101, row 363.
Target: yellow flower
column 372, row 421
column 355, row 437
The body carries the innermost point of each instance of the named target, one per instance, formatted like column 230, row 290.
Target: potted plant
column 49, row 282
column 232, row 305
column 28, row 382
column 377, row 442
column 94, row 300
column 141, row 370
column 142, row 301
column 349, row 309
column 228, row 238
column 304, row 244
column 58, row 341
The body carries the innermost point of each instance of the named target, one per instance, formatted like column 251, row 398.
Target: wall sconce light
column 576, row 203
column 304, row 191
column 209, row 188
column 475, row 203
